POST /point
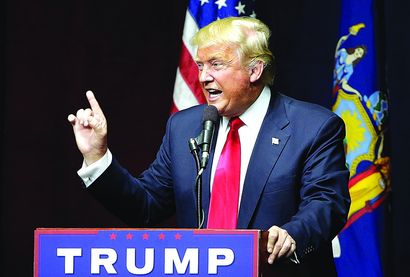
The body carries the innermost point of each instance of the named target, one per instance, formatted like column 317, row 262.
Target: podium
column 148, row 252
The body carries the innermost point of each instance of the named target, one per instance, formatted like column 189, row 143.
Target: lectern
column 146, row 252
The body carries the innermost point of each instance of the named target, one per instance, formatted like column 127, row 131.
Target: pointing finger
column 93, row 103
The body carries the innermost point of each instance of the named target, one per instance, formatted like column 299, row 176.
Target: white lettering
column 214, row 261
column 69, row 254
column 105, row 257
column 131, row 261
column 174, row 262
column 171, row 257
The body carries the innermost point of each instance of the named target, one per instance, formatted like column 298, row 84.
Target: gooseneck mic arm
column 193, row 146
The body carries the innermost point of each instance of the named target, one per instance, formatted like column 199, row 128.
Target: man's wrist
column 91, row 158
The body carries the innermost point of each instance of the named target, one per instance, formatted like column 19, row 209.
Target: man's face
column 224, row 81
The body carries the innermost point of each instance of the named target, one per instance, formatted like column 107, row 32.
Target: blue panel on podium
column 145, row 252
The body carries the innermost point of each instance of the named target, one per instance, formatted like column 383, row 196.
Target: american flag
column 187, row 90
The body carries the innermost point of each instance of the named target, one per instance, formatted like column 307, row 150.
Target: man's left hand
column 280, row 244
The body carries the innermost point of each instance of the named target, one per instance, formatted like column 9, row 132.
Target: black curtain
column 127, row 53
column 397, row 68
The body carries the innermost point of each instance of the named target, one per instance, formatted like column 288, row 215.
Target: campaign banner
column 145, row 252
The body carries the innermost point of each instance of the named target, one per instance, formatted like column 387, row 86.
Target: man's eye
column 200, row 66
column 217, row 65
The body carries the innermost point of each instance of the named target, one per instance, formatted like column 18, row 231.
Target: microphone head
column 211, row 114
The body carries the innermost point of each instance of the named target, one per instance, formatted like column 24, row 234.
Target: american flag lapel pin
column 275, row 141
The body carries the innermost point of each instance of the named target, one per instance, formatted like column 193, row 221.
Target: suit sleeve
column 324, row 193
column 143, row 201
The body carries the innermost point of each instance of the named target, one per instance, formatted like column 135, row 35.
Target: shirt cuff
column 91, row 172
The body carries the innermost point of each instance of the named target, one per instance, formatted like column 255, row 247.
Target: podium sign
column 145, row 252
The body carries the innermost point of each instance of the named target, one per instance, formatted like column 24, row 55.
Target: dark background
column 127, row 53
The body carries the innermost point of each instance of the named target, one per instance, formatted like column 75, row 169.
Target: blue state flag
column 360, row 101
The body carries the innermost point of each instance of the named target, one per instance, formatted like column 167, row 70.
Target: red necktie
column 223, row 209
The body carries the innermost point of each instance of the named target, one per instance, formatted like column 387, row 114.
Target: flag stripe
column 190, row 28
column 183, row 96
column 189, row 72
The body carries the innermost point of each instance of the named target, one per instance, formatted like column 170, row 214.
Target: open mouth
column 213, row 93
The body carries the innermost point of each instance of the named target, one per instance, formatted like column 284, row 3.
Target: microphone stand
column 210, row 116
column 193, row 146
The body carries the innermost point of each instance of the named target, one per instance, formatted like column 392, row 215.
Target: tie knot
column 235, row 123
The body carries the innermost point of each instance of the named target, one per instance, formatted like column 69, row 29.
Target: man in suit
column 292, row 178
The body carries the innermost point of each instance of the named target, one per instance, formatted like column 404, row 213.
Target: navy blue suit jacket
column 299, row 184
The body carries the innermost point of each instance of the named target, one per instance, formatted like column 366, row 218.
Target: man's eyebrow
column 217, row 56
column 213, row 58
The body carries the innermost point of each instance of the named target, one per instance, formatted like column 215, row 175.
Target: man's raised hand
column 90, row 130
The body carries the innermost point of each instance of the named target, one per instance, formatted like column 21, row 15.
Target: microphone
column 209, row 118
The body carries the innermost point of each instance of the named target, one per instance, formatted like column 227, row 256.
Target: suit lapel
column 271, row 140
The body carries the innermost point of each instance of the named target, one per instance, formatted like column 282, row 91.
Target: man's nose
column 205, row 76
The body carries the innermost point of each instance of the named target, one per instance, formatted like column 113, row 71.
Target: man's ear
column 256, row 71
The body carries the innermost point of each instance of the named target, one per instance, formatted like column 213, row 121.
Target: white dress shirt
column 253, row 118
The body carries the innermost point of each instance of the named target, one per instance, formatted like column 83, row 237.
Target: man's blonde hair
column 249, row 35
